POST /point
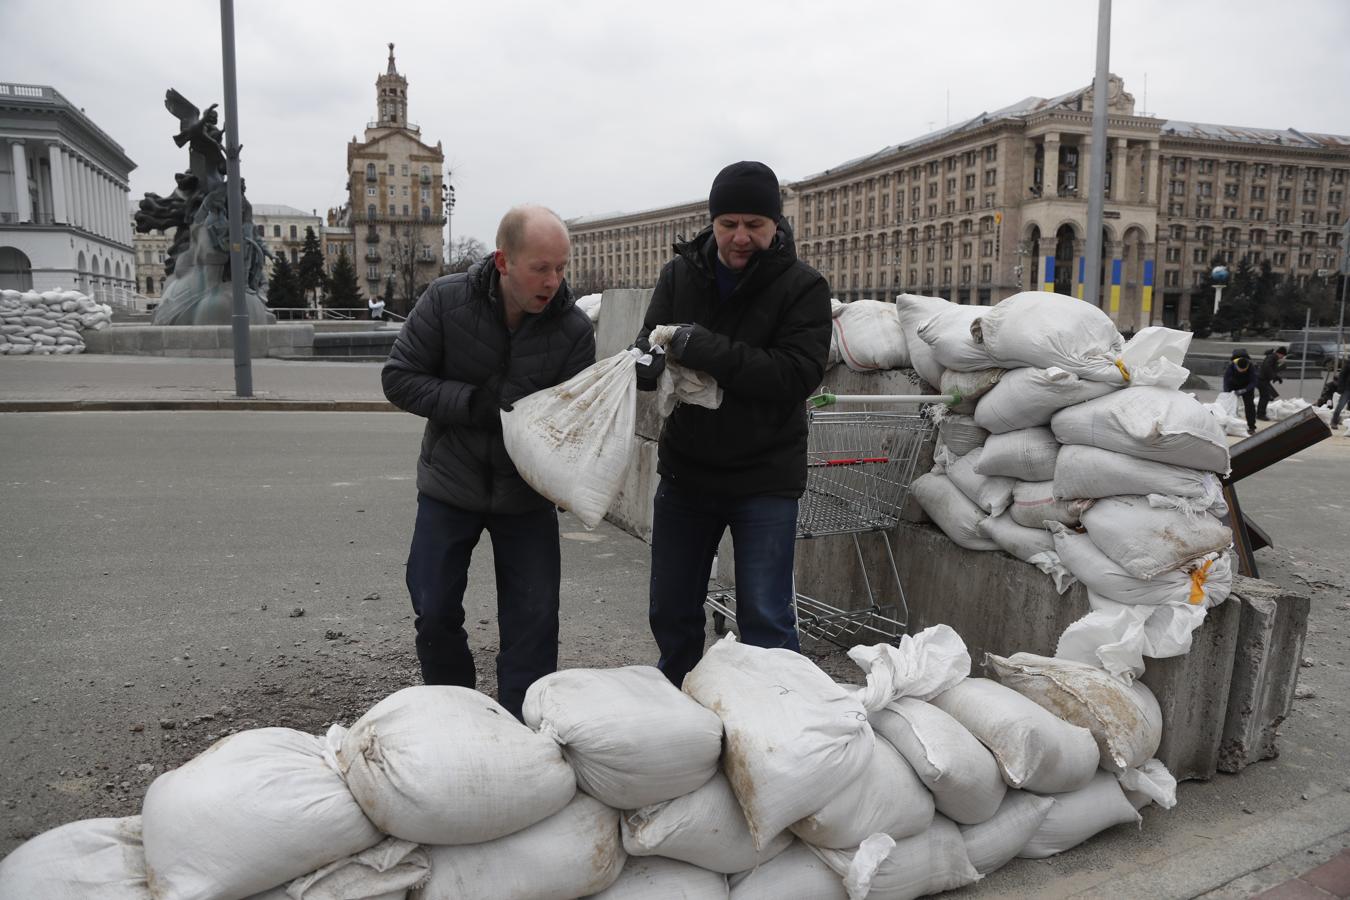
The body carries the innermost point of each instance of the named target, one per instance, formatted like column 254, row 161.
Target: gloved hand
column 485, row 406
column 679, row 342
column 652, row 362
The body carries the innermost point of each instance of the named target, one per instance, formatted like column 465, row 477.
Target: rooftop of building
column 44, row 96
column 281, row 211
column 1285, row 137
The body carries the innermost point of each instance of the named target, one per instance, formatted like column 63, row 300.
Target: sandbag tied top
column 252, row 811
column 1026, row 398
column 92, row 858
column 631, row 736
column 948, row 332
column 1150, row 423
column 868, row 337
column 920, row 666
column 1035, row 749
column 438, row 764
column 794, row 738
column 1204, row 582
column 1037, row 328
column 882, row 868
column 1124, row 719
column 1145, row 540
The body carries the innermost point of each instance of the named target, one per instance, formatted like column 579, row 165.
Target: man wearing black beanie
column 757, row 319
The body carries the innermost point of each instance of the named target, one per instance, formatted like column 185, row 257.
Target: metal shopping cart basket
column 858, row 471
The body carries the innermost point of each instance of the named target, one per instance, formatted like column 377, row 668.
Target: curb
column 223, row 405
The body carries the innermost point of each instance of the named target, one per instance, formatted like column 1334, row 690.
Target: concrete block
column 1192, row 691
column 177, row 337
column 99, row 341
column 632, row 509
column 150, row 341
column 205, row 337
column 649, row 422
column 1272, row 628
column 621, row 312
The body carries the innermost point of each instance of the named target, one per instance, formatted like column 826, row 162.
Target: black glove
column 679, row 342
column 485, row 406
column 652, row 361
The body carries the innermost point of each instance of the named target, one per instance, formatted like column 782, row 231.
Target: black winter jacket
column 1235, row 380
column 456, row 339
column 766, row 346
column 1271, row 369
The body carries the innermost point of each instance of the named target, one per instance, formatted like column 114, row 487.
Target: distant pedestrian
column 376, row 308
column 476, row 342
column 1267, row 376
column 1240, row 378
column 1342, row 385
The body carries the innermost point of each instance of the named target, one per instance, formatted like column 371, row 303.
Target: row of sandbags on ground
column 48, row 321
column 764, row 778
column 1225, row 408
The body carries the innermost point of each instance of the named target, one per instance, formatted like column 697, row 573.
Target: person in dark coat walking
column 1342, row 385
column 474, row 343
column 1267, row 376
column 1240, row 378
column 757, row 319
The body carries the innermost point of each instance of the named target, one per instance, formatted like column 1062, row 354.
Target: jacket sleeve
column 412, row 379
column 660, row 311
column 793, row 365
column 1228, row 379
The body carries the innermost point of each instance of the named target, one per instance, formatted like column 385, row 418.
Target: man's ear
column 499, row 260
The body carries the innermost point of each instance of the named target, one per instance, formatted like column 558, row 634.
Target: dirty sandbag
column 705, row 828
column 679, row 384
column 1026, row 398
column 572, row 442
column 952, row 511
column 995, row 842
column 796, row 872
column 573, row 853
column 256, row 809
column 438, row 764
column 1150, row 423
column 1036, row 750
column 991, row 493
column 1124, row 718
column 966, row 388
column 1145, row 540
column 960, row 772
column 1034, row 504
column 632, row 737
column 959, row 433
column 99, row 858
column 948, row 333
column 1205, row 581
column 1031, row 545
column 794, row 738
column 656, row 878
column 386, row 871
column 887, row 798
column 921, row 665
column 869, row 338
column 1081, row 814
column 1027, row 454
column 914, row 310
column 1038, row 328
column 882, row 868
column 1083, row 471
column 1149, row 783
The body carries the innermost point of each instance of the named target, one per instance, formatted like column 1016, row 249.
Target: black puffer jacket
column 455, row 339
column 766, row 345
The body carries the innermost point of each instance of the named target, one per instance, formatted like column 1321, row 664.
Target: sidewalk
column 109, row 382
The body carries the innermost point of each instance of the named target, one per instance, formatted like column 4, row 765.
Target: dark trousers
column 528, row 566
column 1249, row 407
column 686, row 528
column 1268, row 393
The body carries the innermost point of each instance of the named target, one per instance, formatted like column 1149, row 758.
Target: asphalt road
column 156, row 561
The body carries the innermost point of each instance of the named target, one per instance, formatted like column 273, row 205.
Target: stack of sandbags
column 866, row 336
column 49, row 321
column 590, row 305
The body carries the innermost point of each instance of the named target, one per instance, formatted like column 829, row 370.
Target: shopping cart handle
column 824, row 399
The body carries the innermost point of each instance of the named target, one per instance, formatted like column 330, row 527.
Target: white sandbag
column 922, row 666
column 868, row 336
column 679, row 384
column 1034, row 504
column 573, row 853
column 1149, row 783
column 1035, row 749
column 99, row 858
column 960, row 772
column 590, row 305
column 632, row 737
column 657, row 878
column 913, row 311
column 705, row 828
column 796, row 872
column 1039, row 328
column 1091, row 472
column 993, row 494
column 1150, row 423
column 1027, row 454
column 882, row 868
column 1145, row 541
column 254, row 810
column 1079, row 815
column 1283, row 408
column 386, row 871
column 887, row 798
column 794, row 738
column 993, row 843
column 951, row 510
column 966, row 388
column 1031, row 545
column 573, row 442
column 1206, row 580
column 1117, row 636
column 438, row 764
column 960, row 434
column 1026, row 398
column 1124, row 719
column 1155, row 356
column 948, row 333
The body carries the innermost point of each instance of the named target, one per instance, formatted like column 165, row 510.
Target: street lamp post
column 449, row 201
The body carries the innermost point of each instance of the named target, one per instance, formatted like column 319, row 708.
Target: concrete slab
column 206, row 337
column 632, row 509
column 621, row 312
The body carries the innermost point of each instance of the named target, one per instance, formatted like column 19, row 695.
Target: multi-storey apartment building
column 395, row 197
column 151, row 250
column 281, row 229
column 998, row 204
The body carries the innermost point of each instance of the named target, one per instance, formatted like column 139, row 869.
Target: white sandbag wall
column 33, row 322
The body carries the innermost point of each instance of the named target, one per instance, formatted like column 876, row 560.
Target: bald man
column 474, row 343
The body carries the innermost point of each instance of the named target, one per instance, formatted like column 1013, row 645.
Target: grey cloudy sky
column 594, row 106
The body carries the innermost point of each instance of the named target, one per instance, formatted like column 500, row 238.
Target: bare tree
column 412, row 266
column 462, row 253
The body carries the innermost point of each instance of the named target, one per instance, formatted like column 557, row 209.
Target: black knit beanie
column 748, row 188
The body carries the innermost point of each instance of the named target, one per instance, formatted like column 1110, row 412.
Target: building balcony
column 372, row 177
column 425, row 179
column 372, row 255
column 406, row 126
column 372, row 237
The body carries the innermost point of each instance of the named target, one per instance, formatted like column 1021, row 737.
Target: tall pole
column 1097, row 183
column 243, row 364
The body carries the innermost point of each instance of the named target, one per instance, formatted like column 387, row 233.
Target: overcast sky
column 594, row 106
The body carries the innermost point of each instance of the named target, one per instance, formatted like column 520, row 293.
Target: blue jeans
column 528, row 565
column 687, row 526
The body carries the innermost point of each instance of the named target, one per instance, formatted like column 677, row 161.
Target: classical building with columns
column 63, row 198
column 998, row 204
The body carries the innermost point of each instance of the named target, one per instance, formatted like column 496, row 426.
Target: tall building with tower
column 395, row 197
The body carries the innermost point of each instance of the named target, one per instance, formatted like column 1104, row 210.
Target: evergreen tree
column 344, row 292
column 282, row 290
column 310, row 275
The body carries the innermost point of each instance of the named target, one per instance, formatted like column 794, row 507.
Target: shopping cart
column 858, row 471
